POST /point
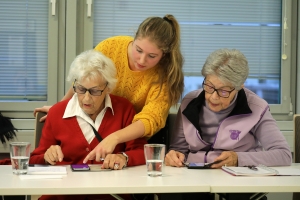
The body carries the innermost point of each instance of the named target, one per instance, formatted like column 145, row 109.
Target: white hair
column 230, row 65
column 90, row 64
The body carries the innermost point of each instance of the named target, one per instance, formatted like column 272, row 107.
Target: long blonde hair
column 165, row 33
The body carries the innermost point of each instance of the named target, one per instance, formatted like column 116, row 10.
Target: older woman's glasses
column 211, row 89
column 79, row 89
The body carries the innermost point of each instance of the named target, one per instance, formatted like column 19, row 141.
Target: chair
column 296, row 195
column 297, row 138
column 162, row 136
column 38, row 128
column 37, row 136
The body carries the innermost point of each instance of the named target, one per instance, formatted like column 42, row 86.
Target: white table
column 129, row 180
column 222, row 182
column 135, row 180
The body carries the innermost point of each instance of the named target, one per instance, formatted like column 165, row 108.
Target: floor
column 275, row 196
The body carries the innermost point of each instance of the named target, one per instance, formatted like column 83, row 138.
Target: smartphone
column 196, row 166
column 80, row 167
column 202, row 165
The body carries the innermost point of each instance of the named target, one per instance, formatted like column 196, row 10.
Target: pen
column 252, row 168
column 210, row 164
column 185, row 164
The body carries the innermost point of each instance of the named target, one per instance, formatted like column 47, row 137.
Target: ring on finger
column 116, row 166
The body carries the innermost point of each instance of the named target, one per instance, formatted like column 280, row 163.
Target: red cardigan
column 67, row 133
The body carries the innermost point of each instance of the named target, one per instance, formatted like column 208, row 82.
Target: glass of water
column 19, row 155
column 154, row 155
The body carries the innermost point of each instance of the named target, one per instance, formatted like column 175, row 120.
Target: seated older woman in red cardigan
column 73, row 126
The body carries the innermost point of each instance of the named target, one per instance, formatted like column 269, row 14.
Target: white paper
column 285, row 171
column 245, row 171
column 49, row 170
column 263, row 171
column 28, row 177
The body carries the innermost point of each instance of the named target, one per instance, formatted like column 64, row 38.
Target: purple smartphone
column 80, row 167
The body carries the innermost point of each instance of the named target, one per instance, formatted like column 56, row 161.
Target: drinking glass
column 19, row 155
column 154, row 155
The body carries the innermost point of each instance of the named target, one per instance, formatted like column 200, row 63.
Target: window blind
column 23, row 49
column 254, row 27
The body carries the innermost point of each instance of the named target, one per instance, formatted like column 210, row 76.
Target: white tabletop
column 222, row 182
column 135, row 180
column 129, row 180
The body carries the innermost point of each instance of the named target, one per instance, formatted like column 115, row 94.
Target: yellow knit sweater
column 138, row 87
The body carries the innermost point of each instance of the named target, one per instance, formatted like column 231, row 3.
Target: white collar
column 73, row 109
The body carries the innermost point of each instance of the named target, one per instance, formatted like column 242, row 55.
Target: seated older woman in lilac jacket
column 225, row 121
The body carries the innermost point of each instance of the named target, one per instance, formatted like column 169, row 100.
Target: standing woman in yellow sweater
column 149, row 73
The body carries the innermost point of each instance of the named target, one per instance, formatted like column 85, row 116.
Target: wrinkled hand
column 53, row 154
column 112, row 159
column 229, row 158
column 174, row 159
column 42, row 109
column 105, row 147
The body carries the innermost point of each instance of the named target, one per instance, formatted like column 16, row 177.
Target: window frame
column 282, row 111
column 25, row 109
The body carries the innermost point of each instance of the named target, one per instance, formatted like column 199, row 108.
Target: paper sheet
column 48, row 170
column 28, row 177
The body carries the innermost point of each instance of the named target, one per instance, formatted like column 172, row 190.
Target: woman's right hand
column 174, row 159
column 53, row 154
column 105, row 147
column 42, row 109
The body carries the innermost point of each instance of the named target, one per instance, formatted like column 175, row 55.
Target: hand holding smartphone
column 201, row 165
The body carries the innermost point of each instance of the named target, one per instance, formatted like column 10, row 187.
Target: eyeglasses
column 221, row 92
column 79, row 89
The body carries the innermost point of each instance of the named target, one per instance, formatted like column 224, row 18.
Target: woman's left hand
column 229, row 158
column 105, row 147
column 114, row 161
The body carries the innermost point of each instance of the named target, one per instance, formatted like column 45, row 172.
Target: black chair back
column 162, row 136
